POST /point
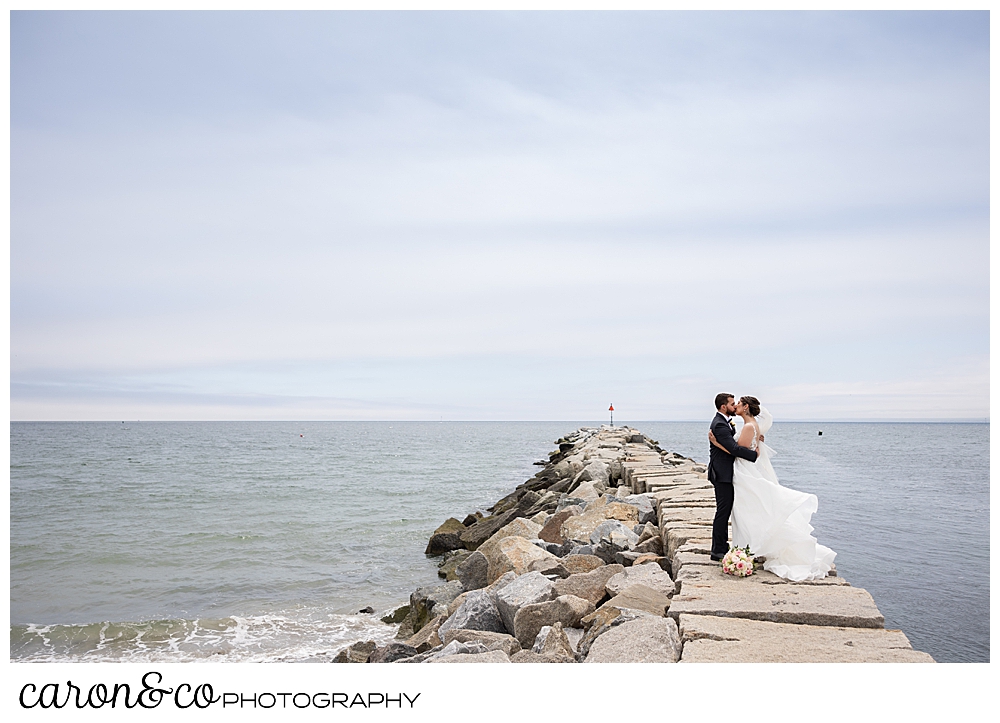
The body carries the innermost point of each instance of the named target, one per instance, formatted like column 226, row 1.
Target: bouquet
column 738, row 561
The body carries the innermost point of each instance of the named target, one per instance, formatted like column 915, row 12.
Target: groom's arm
column 724, row 436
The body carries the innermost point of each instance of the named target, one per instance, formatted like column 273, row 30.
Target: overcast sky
column 352, row 215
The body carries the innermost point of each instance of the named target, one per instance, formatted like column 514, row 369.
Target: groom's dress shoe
column 717, row 558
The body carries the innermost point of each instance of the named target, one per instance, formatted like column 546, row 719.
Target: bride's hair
column 753, row 406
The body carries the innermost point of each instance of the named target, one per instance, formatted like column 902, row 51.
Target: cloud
column 514, row 213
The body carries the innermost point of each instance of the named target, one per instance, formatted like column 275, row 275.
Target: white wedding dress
column 774, row 520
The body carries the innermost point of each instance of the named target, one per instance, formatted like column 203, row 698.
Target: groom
column 720, row 471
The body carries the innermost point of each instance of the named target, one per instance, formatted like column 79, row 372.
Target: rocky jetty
column 603, row 557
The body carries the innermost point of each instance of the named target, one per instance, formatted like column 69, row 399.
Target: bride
column 771, row 519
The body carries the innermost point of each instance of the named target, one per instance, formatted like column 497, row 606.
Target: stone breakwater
column 603, row 557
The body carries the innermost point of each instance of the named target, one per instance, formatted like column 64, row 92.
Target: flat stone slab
column 710, row 639
column 674, row 537
column 706, row 590
column 689, row 515
column 682, row 558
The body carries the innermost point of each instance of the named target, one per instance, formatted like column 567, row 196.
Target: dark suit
column 720, row 474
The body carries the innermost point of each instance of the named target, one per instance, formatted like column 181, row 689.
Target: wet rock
column 645, row 640
column 367, row 611
column 565, row 609
column 446, row 537
column 589, row 585
column 472, row 519
column 425, row 600
column 452, row 560
column 356, row 652
column 473, row 572
column 392, row 651
column 427, row 637
column 485, row 528
column 396, row 616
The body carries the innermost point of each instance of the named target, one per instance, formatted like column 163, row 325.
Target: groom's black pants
column 720, row 525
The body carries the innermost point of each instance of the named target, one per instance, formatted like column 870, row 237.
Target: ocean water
column 260, row 541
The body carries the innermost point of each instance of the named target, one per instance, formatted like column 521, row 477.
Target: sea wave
column 293, row 637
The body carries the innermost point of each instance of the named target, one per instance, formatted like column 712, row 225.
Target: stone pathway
column 757, row 619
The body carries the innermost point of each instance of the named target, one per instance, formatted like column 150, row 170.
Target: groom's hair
column 721, row 399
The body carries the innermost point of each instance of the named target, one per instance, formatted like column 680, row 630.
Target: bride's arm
column 715, row 442
column 746, row 436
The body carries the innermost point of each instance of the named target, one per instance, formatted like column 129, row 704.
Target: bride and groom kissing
column 772, row 520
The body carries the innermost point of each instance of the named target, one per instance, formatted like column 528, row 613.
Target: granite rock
column 519, row 527
column 831, row 601
column 644, row 505
column 493, row 656
column 491, row 641
column 649, row 575
column 427, row 637
column 579, row 527
column 645, row 640
column 446, row 537
column 565, row 609
column 518, row 555
column 356, row 652
column 477, row 612
column 473, row 572
column 640, row 597
column 392, row 651
column 551, row 531
column 576, row 564
column 588, row 585
column 552, row 641
column 528, row 656
column 452, row 559
column 527, row 589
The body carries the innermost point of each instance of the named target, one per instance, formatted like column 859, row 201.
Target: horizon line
column 847, row 420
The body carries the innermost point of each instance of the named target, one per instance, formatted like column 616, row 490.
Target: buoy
column 301, row 435
column 820, row 433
